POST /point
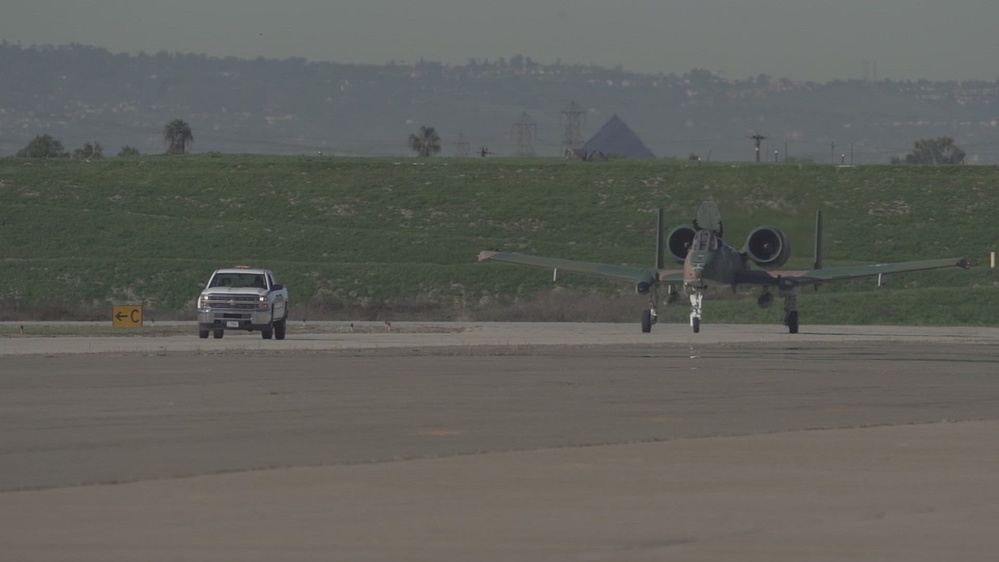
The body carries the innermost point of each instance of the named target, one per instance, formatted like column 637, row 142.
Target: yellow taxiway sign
column 126, row 316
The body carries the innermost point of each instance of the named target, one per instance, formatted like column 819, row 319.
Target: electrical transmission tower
column 525, row 131
column 758, row 138
column 463, row 147
column 572, row 118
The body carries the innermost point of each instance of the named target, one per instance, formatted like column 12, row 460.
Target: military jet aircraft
column 708, row 261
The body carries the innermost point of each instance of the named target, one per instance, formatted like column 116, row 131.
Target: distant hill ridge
column 81, row 94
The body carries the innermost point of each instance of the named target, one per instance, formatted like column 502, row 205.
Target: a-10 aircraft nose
column 693, row 272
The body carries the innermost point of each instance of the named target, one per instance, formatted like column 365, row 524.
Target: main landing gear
column 650, row 316
column 791, row 313
column 648, row 319
column 789, row 290
column 790, row 295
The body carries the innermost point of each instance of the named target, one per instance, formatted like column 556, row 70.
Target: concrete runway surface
column 456, row 442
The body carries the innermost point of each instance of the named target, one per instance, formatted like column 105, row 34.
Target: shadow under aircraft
column 709, row 261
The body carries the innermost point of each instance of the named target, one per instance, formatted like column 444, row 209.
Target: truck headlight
column 202, row 302
column 264, row 303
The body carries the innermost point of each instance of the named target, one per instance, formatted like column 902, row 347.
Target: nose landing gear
column 696, row 298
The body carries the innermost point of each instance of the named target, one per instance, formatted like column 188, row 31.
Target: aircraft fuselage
column 711, row 262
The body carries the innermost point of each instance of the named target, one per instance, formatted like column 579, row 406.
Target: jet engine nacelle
column 768, row 247
column 678, row 242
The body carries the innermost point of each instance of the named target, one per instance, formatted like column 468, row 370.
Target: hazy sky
column 798, row 39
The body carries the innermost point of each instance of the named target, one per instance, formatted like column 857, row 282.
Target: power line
column 572, row 117
column 757, row 138
column 525, row 131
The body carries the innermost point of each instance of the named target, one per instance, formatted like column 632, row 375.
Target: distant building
column 616, row 139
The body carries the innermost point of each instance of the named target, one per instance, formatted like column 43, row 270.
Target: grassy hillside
column 403, row 234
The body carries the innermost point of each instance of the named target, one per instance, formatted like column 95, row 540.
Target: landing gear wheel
column 217, row 334
column 646, row 321
column 696, row 301
column 791, row 310
column 279, row 329
column 203, row 334
column 792, row 322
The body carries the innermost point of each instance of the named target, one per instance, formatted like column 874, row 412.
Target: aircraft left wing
column 761, row 277
column 620, row 272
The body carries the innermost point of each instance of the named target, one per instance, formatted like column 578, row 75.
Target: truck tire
column 267, row 332
column 217, row 334
column 203, row 334
column 279, row 328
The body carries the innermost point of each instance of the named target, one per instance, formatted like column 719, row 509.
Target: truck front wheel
column 279, row 328
column 267, row 332
column 217, row 334
column 203, row 334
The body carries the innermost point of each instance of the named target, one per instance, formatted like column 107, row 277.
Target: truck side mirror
column 277, row 287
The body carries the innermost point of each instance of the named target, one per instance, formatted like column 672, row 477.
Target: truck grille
column 233, row 301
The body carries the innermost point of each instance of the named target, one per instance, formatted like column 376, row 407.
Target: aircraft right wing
column 631, row 273
column 762, row 277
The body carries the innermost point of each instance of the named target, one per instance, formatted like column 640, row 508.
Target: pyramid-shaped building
column 616, row 139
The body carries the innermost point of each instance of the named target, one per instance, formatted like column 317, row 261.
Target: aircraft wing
column 760, row 277
column 620, row 272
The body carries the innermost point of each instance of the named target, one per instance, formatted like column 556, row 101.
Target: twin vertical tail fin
column 660, row 241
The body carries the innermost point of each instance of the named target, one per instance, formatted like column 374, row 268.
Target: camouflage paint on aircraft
column 708, row 261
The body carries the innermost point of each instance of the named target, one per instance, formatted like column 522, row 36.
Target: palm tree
column 177, row 135
column 426, row 143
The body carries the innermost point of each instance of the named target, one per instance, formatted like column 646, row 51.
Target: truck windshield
column 239, row 280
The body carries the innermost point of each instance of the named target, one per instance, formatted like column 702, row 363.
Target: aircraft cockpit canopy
column 705, row 240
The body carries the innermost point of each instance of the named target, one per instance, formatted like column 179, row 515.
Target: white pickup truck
column 242, row 298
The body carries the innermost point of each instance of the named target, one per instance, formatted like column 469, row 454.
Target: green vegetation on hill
column 402, row 234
